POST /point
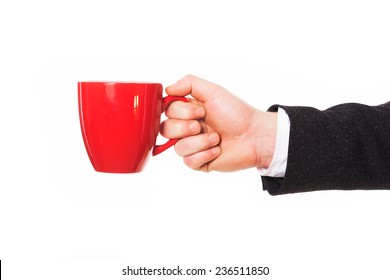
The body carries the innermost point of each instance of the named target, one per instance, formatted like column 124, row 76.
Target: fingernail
column 200, row 112
column 216, row 150
column 194, row 127
column 214, row 138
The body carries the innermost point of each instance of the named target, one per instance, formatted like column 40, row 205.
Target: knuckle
column 189, row 77
column 199, row 161
column 199, row 144
column 171, row 111
column 174, row 129
column 205, row 142
column 182, row 110
column 194, row 127
column 185, row 147
column 180, row 148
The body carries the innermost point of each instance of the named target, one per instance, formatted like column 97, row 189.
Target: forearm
column 345, row 147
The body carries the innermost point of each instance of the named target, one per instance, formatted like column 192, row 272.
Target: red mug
column 120, row 122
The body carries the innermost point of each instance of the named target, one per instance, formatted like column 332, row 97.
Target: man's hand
column 218, row 131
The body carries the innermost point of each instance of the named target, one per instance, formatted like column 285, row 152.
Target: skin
column 217, row 130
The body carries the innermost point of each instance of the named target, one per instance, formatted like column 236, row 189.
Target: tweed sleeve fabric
column 345, row 147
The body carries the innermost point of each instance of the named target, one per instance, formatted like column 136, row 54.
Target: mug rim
column 118, row 82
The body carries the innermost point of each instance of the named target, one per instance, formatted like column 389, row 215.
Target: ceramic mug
column 120, row 122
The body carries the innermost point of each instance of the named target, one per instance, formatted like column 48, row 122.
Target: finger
column 185, row 111
column 195, row 144
column 173, row 128
column 199, row 161
column 193, row 85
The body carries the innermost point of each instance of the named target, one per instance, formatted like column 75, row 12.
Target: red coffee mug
column 120, row 122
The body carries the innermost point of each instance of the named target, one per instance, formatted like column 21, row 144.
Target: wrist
column 265, row 139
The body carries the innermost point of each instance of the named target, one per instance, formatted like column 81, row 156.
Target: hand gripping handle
column 166, row 102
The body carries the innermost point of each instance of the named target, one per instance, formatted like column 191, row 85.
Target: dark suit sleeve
column 345, row 147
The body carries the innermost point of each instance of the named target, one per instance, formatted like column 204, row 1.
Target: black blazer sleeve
column 345, row 147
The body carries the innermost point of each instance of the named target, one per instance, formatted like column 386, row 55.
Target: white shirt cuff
column 278, row 165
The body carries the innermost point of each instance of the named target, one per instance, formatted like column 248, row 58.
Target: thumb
column 198, row 88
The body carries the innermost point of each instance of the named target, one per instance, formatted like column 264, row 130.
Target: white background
column 61, row 220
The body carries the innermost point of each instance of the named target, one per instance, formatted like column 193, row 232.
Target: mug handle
column 167, row 100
